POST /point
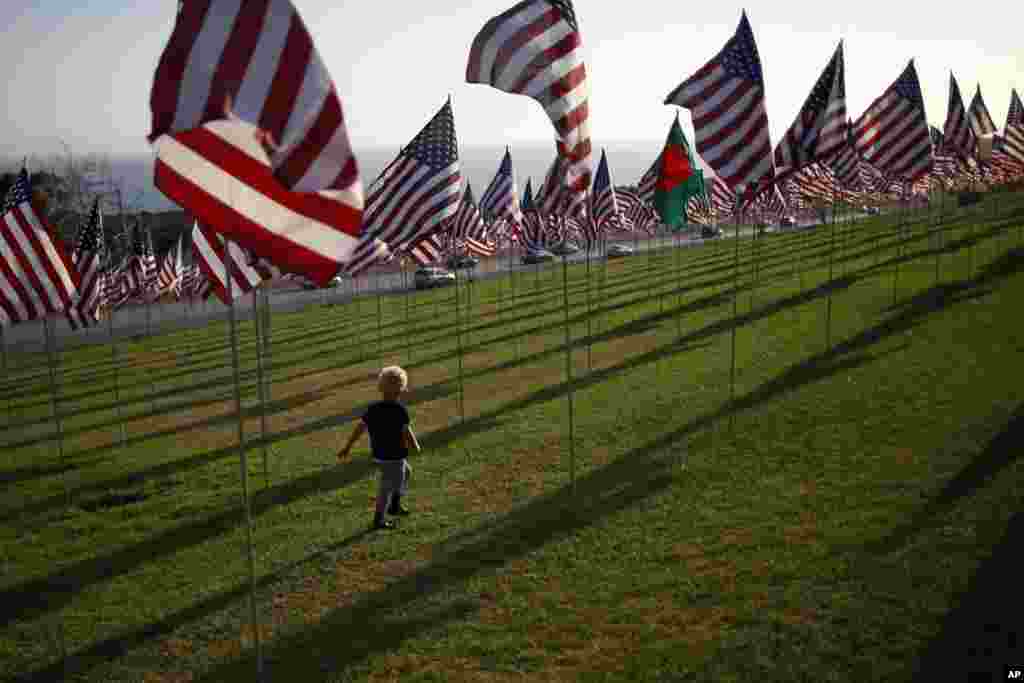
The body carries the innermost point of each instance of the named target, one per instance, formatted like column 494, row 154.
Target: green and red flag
column 679, row 178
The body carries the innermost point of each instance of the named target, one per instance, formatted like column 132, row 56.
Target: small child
column 391, row 437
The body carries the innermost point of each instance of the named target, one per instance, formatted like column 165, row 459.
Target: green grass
column 847, row 517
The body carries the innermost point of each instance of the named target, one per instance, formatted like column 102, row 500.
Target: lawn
column 844, row 513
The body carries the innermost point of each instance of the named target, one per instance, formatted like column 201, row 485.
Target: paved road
column 135, row 320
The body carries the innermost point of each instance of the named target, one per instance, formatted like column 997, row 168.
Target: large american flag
column 957, row 134
column 726, row 100
column 820, row 127
column 978, row 116
column 36, row 275
column 297, row 196
column 89, row 257
column 414, row 195
column 892, row 134
column 208, row 249
column 535, row 49
column 500, row 200
column 1013, row 134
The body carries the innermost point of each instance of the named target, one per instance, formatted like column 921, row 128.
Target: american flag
column 535, row 49
column 169, row 276
column 88, row 258
column 427, row 250
column 500, row 200
column 605, row 213
column 531, row 229
column 816, row 182
column 117, row 283
column 723, row 199
column 846, row 162
column 191, row 282
column 413, row 196
column 1013, row 134
column 726, row 100
column 892, row 135
column 957, row 134
column 208, row 246
column 299, row 199
column 649, row 181
column 978, row 116
column 469, row 227
column 143, row 266
column 36, row 275
column 820, row 128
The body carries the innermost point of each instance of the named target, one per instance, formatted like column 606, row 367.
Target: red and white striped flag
column 500, row 201
column 169, row 277
column 414, row 196
column 37, row 277
column 427, row 250
column 820, row 128
column 88, row 258
column 978, row 116
column 957, row 135
column 1013, row 134
column 299, row 207
column 892, row 134
column 208, row 246
column 727, row 101
column 535, row 49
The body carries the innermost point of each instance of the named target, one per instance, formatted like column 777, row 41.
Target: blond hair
column 392, row 380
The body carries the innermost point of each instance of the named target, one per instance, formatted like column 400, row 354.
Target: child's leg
column 383, row 495
column 396, row 507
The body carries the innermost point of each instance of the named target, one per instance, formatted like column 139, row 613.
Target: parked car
column 564, row 249
column 710, row 232
column 787, row 222
column 537, row 256
column 619, row 250
column 463, row 262
column 872, row 210
column 432, row 276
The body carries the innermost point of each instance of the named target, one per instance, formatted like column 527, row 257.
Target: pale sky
column 81, row 70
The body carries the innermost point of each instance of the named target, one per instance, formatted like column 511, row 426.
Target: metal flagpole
column 7, row 397
column 265, row 291
column 512, row 284
column 458, row 337
column 568, row 376
column 735, row 322
column 259, row 380
column 242, row 460
column 380, row 315
column 899, row 248
column 679, row 284
column 49, row 335
column 590, row 364
column 113, row 359
column 828, row 296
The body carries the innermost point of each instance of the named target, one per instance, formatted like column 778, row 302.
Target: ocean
column 626, row 160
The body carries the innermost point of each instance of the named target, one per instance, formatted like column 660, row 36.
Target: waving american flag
column 820, row 127
column 535, row 49
column 978, row 116
column 730, row 122
column 88, row 257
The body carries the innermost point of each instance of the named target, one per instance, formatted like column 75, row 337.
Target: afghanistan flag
column 679, row 178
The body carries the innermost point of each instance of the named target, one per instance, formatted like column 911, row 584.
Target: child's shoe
column 381, row 523
column 396, row 507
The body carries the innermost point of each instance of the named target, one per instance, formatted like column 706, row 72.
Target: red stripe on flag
column 287, row 82
column 236, row 57
column 169, row 72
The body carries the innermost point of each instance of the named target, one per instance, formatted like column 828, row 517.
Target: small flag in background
column 978, row 116
column 37, row 277
column 88, row 257
column 605, row 212
column 500, row 200
column 957, row 134
column 1013, row 134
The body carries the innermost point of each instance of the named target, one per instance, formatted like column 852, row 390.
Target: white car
column 619, row 250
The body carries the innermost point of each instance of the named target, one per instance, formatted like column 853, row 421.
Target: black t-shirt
column 386, row 420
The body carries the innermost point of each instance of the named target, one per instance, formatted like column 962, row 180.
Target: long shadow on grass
column 38, row 596
column 985, row 631
column 1001, row 452
column 117, row 646
column 376, row 623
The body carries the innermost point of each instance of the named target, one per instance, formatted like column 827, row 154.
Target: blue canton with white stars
column 435, row 144
column 819, row 96
column 90, row 236
column 19, row 193
column 908, row 87
column 739, row 56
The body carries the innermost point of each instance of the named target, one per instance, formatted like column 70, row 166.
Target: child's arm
column 356, row 433
column 409, row 439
